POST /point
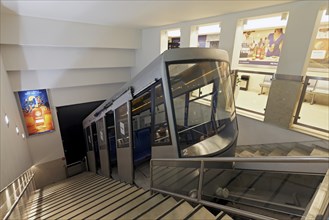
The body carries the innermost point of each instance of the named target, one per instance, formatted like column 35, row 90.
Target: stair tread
column 246, row 153
column 179, row 212
column 224, row 217
column 160, row 209
column 127, row 205
column 319, row 151
column 202, row 213
column 278, row 152
column 135, row 212
column 298, row 152
column 103, row 206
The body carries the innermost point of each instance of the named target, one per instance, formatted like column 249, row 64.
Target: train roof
column 156, row 67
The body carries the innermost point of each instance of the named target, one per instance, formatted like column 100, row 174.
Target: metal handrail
column 228, row 159
column 18, row 198
column 14, row 181
column 250, row 159
column 255, row 72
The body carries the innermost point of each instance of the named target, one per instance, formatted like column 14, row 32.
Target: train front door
column 123, row 138
column 96, row 147
column 103, row 149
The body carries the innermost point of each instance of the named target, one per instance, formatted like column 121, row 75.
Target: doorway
column 96, row 147
column 70, row 124
column 111, row 145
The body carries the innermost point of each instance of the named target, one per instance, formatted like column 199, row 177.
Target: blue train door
column 141, row 117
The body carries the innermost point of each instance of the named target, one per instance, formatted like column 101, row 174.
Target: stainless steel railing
column 199, row 163
column 24, row 181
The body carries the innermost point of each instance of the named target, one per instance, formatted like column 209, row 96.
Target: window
column 208, row 35
column 203, row 101
column 122, row 126
column 161, row 134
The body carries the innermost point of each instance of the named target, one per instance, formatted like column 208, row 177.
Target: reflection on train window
column 122, row 126
column 203, row 104
column 161, row 130
column 89, row 140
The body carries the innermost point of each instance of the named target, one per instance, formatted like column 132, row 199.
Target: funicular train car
column 180, row 106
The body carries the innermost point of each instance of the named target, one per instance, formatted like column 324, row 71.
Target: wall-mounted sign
column 36, row 111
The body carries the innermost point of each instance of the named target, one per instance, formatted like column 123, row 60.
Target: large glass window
column 161, row 129
column 122, row 126
column 203, row 102
column 208, row 35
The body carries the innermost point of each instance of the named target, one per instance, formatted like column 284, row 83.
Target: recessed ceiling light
column 23, row 135
column 17, row 130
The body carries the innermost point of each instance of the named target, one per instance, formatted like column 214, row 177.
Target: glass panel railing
column 264, row 193
column 313, row 106
column 176, row 179
column 251, row 91
column 270, row 193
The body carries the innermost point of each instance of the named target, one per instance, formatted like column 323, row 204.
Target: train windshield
column 203, row 106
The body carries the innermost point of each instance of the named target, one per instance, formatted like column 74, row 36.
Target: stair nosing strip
column 193, row 211
column 152, row 207
column 171, row 209
column 134, row 207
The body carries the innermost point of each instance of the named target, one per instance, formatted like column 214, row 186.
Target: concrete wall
column 76, row 62
column 15, row 156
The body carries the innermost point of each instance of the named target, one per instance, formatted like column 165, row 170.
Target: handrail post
column 201, row 172
column 151, row 176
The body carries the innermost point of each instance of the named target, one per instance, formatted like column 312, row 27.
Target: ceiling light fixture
column 174, row 33
column 23, row 135
column 17, row 130
column 7, row 120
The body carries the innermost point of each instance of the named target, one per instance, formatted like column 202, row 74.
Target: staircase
column 89, row 196
column 313, row 149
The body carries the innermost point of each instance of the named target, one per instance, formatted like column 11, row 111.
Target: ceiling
column 136, row 14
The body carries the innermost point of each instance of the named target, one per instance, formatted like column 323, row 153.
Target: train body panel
column 180, row 105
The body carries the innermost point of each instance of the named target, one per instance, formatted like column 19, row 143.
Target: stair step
column 223, row 216
column 319, row 151
column 159, row 209
column 246, row 153
column 202, row 213
column 107, row 203
column 81, row 203
column 146, row 205
column 179, row 212
column 278, row 152
column 298, row 152
column 127, row 205
column 90, row 205
column 104, row 209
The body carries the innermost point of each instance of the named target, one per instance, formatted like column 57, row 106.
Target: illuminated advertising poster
column 36, row 111
column 320, row 52
column 261, row 47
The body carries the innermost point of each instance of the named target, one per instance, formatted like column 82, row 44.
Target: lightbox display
column 36, row 111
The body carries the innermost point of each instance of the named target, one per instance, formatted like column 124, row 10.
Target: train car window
column 89, row 140
column 161, row 134
column 122, row 126
column 203, row 104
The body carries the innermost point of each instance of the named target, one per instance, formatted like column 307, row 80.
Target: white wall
column 76, row 62
column 297, row 36
column 14, row 152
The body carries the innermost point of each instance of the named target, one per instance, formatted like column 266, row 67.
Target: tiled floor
column 313, row 115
